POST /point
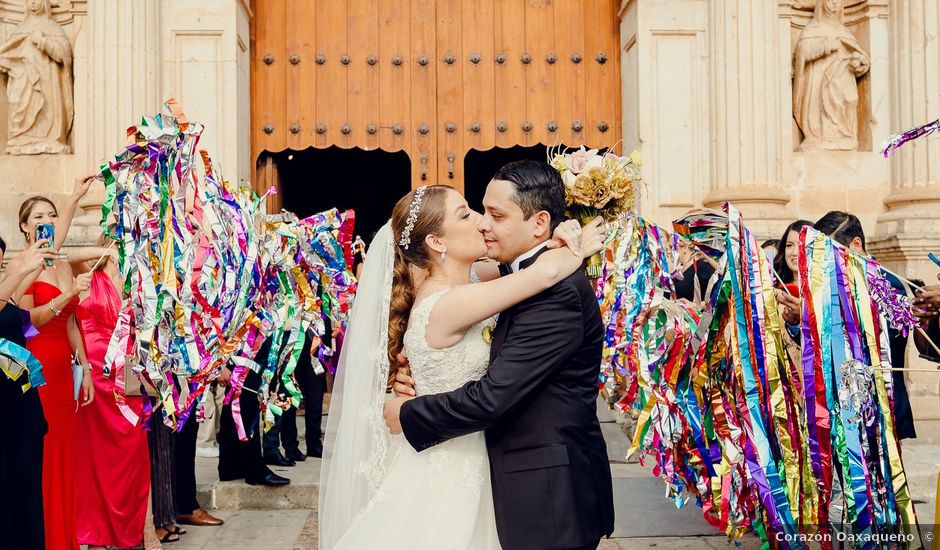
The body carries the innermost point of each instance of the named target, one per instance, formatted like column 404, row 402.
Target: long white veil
column 356, row 443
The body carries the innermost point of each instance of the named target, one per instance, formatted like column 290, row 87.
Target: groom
column 537, row 402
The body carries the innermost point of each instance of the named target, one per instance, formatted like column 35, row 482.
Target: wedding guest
column 312, row 384
column 22, row 424
column 242, row 459
column 846, row 229
column 313, row 381
column 788, row 253
column 286, row 420
column 189, row 511
column 50, row 308
column 207, row 440
column 770, row 249
column 786, row 271
column 270, row 441
column 162, row 474
column 696, row 272
column 927, row 309
column 359, row 254
column 112, row 484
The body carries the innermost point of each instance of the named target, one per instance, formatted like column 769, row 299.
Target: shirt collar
column 514, row 266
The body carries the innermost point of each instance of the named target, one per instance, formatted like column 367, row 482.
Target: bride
column 376, row 492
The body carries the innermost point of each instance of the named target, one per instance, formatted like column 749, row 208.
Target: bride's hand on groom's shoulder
column 582, row 241
column 568, row 233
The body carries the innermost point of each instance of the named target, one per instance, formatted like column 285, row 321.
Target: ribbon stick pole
column 929, row 341
column 101, row 259
column 907, row 369
column 780, row 280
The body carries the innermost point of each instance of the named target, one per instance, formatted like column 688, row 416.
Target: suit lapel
column 531, row 259
column 499, row 333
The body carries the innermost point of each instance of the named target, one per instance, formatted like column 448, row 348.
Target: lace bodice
column 443, row 370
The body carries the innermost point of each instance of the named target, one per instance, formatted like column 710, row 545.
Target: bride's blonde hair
column 429, row 220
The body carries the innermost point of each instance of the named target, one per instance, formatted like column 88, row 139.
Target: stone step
column 630, row 480
column 302, row 493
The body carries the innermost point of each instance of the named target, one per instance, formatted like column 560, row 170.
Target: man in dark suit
column 242, row 459
column 537, row 403
column 846, row 229
column 927, row 309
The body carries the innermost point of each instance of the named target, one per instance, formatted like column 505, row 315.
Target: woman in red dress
column 50, row 309
column 112, row 485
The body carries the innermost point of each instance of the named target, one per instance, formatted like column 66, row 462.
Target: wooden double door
column 433, row 78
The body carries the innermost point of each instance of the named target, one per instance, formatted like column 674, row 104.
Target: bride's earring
column 443, row 254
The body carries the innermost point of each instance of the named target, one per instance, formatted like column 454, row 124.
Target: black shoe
column 316, row 452
column 278, row 460
column 295, row 455
column 270, row 480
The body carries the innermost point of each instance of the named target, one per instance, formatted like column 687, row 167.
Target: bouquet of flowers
column 597, row 184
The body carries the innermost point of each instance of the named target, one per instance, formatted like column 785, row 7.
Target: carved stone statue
column 37, row 62
column 827, row 61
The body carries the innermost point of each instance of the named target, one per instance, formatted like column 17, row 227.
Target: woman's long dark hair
column 780, row 258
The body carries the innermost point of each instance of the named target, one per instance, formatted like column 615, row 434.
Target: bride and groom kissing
column 502, row 447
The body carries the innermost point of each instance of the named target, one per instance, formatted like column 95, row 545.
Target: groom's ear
column 543, row 224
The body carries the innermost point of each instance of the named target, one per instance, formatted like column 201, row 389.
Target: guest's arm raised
column 64, row 222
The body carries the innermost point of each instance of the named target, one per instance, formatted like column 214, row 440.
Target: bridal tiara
column 413, row 211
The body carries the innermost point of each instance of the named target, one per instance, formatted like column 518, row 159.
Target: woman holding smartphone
column 22, row 425
column 51, row 297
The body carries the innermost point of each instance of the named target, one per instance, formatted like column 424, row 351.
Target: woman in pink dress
column 112, row 483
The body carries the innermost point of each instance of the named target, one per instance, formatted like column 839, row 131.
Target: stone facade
column 128, row 58
column 709, row 99
column 711, row 82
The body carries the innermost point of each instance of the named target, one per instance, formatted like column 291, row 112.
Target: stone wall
column 129, row 57
column 708, row 98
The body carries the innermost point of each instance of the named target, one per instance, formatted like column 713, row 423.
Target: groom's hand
column 392, row 413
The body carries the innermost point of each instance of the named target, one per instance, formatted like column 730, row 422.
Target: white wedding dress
column 440, row 498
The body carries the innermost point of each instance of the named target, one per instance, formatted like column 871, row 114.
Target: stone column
column 121, row 82
column 910, row 225
column 206, row 67
column 746, row 122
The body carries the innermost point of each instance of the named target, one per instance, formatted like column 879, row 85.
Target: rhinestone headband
column 413, row 211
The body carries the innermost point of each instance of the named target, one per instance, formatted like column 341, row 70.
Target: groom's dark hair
column 841, row 226
column 537, row 186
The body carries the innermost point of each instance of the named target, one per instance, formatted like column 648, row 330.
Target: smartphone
column 933, row 258
column 46, row 231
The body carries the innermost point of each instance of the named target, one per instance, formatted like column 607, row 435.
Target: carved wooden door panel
column 434, row 78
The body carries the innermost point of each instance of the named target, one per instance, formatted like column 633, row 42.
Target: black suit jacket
column 537, row 403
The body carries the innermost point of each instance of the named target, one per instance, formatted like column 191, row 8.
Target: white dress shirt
column 514, row 266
